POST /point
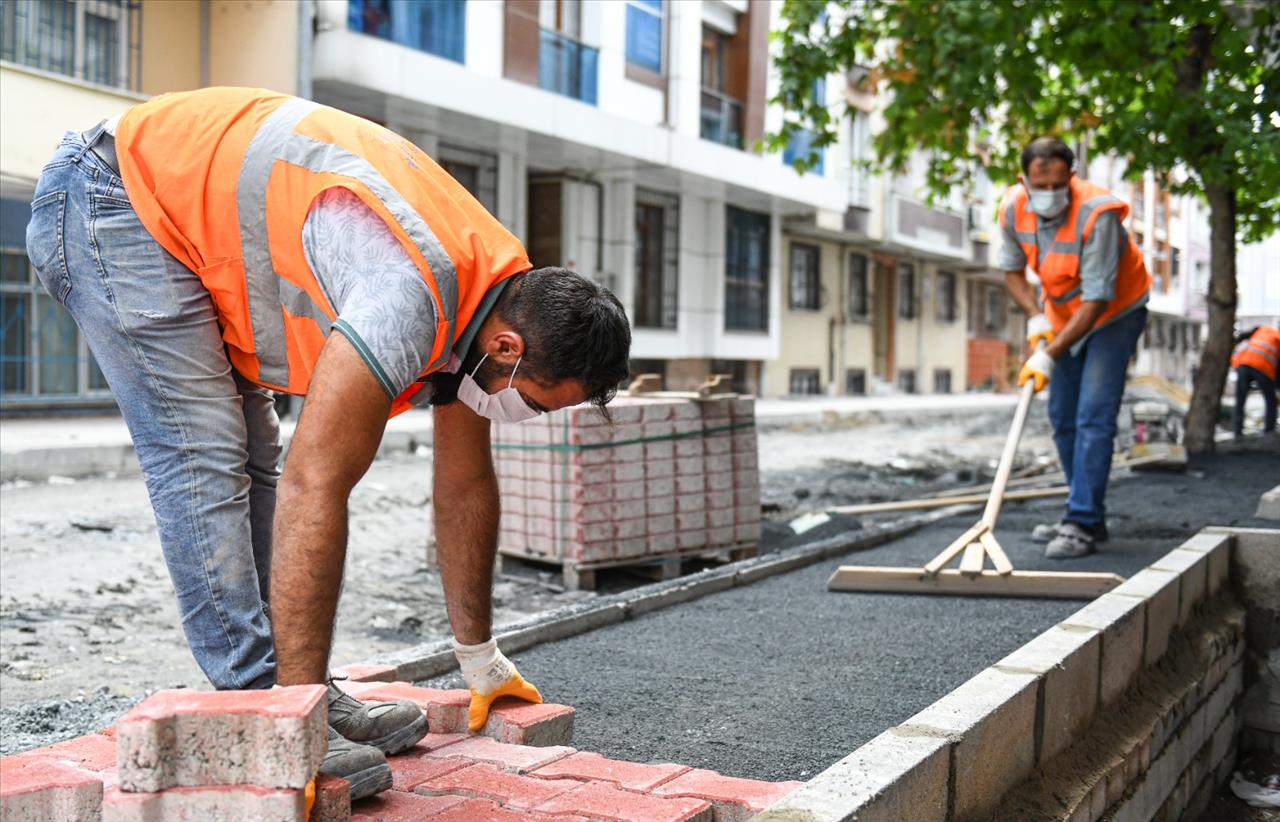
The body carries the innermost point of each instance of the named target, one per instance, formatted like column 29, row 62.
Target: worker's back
column 1261, row 352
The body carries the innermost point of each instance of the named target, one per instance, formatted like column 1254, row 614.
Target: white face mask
column 505, row 406
column 1048, row 203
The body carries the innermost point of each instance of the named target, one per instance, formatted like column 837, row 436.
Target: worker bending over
column 209, row 244
column 1255, row 359
column 1092, row 309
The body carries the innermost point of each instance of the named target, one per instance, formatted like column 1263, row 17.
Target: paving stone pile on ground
column 252, row 755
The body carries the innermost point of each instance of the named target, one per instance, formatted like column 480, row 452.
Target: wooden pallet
column 581, row 576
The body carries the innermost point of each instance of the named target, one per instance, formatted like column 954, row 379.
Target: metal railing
column 567, row 66
column 721, row 118
column 98, row 41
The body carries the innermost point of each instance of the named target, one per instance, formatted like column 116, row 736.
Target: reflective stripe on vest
column 266, row 290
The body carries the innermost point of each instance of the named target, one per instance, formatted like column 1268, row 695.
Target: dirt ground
column 88, row 624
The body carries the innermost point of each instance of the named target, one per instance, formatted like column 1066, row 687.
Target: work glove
column 1039, row 366
column 1038, row 328
column 489, row 675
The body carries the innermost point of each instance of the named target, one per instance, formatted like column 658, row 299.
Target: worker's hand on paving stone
column 1038, row 328
column 1039, row 366
column 490, row 675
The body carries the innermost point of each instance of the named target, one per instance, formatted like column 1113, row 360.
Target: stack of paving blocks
column 668, row 475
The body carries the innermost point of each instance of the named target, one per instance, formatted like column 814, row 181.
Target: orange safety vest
column 1261, row 352
column 1059, row 270
column 223, row 178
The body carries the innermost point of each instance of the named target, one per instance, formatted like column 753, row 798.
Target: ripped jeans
column 208, row 440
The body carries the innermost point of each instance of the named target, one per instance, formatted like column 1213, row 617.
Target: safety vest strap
column 267, row 291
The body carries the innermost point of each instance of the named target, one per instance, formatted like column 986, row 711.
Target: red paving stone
column 593, row 767
column 367, row 673
column 212, row 802
column 273, row 738
column 485, row 781
column 37, row 788
column 602, row 801
column 398, row 806
column 433, row 742
column 333, row 800
column 516, row 758
column 94, row 752
column 478, row 810
column 408, row 772
column 525, row 723
column 734, row 799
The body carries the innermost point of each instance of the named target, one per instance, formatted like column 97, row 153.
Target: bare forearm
column 1079, row 324
column 309, row 547
column 1021, row 292
column 466, row 542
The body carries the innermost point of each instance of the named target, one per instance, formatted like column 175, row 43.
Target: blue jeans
column 208, row 440
column 1084, row 399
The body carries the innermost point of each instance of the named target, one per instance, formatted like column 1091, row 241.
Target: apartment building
column 878, row 296
column 68, row 65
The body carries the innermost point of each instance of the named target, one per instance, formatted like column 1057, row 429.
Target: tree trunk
column 1202, row 419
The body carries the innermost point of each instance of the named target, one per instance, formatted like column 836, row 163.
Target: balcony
column 721, row 119
column 567, row 67
column 438, row 27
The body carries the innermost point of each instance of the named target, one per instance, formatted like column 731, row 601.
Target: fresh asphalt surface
column 780, row 679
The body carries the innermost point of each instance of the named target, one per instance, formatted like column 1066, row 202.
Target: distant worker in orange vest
column 216, row 245
column 1255, row 360
column 1089, row 315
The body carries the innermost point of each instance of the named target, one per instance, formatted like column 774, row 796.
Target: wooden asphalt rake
column 974, row 547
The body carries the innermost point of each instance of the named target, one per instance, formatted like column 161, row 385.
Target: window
column 438, row 27
column 994, row 310
column 97, row 41
column 859, row 293
column 906, row 291
column 746, row 270
column 907, row 380
column 478, row 172
column 42, row 356
column 855, row 382
column 800, row 145
column 805, row 381
column 721, row 114
column 566, row 65
column 805, row 277
column 942, row 381
column 860, row 149
column 657, row 259
column 946, row 297
column 644, row 34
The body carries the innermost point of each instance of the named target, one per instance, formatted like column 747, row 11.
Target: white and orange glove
column 1039, row 328
column 1038, row 367
column 489, row 675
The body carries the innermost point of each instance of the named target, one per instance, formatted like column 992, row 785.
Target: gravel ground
column 780, row 679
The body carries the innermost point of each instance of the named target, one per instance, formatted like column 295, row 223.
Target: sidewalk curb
column 436, row 658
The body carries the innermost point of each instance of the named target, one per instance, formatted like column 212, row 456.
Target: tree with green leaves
column 1189, row 89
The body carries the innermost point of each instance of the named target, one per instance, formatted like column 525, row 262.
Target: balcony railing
column 721, row 118
column 567, row 67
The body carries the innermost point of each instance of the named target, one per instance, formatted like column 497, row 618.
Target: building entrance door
column 883, row 313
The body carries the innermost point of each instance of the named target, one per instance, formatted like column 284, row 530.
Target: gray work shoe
column 391, row 727
column 1046, row 531
column 1071, row 542
column 364, row 768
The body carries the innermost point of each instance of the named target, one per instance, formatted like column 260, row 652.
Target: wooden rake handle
column 996, row 498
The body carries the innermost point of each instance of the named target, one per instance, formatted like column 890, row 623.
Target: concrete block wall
column 1127, row 710
column 668, row 475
